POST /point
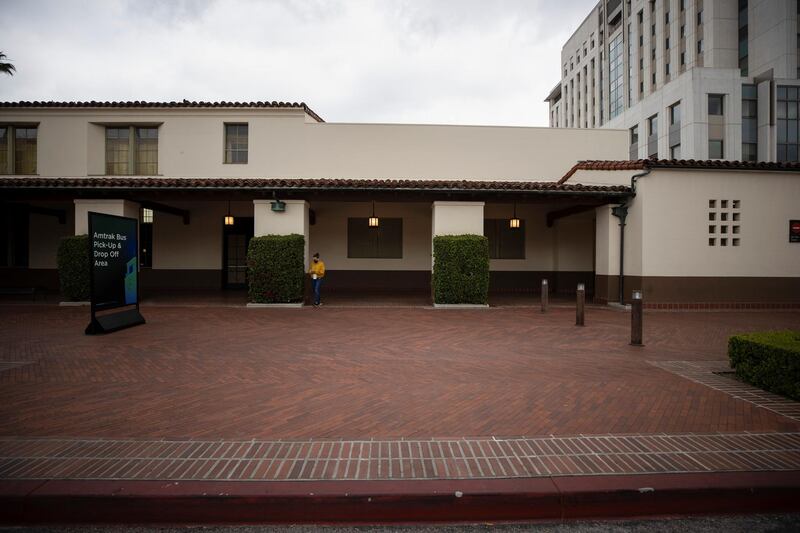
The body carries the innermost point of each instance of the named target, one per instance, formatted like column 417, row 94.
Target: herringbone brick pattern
column 712, row 374
column 255, row 460
column 241, row 374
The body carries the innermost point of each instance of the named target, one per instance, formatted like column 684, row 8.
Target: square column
column 293, row 220
column 457, row 218
column 121, row 208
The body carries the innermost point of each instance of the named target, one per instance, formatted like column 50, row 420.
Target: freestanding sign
column 114, row 251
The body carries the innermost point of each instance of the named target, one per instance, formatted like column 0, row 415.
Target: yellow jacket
column 317, row 268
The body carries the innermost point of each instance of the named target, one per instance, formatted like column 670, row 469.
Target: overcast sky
column 418, row 61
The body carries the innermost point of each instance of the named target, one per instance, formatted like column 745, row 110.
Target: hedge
column 73, row 268
column 769, row 360
column 276, row 269
column 460, row 269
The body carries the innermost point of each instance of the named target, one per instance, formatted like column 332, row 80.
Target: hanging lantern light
column 374, row 222
column 229, row 217
column 514, row 222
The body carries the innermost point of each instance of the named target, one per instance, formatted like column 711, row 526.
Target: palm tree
column 6, row 67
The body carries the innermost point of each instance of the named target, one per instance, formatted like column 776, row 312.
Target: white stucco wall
column 283, row 144
column 329, row 235
column 120, row 208
column 45, row 233
column 675, row 229
column 197, row 245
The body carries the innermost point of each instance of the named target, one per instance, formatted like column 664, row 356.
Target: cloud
column 446, row 61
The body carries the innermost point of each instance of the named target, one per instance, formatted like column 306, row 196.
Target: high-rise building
column 688, row 79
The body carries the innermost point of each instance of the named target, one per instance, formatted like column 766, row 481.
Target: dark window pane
column 715, row 104
column 714, row 149
column 4, row 151
column 791, row 134
column 505, row 242
column 383, row 242
column 750, row 92
column 25, row 150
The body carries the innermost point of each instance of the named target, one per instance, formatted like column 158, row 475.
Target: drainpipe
column 621, row 212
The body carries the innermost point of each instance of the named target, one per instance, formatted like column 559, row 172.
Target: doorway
column 235, row 240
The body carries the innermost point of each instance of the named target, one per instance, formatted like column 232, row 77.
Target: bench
column 18, row 291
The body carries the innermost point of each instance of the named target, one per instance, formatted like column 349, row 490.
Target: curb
column 380, row 502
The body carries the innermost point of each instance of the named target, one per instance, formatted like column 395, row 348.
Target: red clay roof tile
column 147, row 105
column 641, row 164
column 126, row 182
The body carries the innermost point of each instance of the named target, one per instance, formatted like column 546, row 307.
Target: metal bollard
column 636, row 319
column 545, row 295
column 581, row 299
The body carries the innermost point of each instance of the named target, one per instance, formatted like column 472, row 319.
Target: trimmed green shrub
column 74, row 268
column 276, row 269
column 460, row 269
column 769, row 360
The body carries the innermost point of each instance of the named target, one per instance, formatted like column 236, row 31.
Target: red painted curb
column 375, row 502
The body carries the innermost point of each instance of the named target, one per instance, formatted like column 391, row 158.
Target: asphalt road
column 789, row 523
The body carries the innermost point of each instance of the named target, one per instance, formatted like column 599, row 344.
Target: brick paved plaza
column 202, row 385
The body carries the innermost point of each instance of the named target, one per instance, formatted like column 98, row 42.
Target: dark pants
column 316, row 284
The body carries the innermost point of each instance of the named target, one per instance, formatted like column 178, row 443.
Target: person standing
column 317, row 272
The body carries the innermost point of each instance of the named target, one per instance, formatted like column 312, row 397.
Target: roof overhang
column 296, row 187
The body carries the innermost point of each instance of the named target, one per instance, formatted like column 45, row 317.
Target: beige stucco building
column 181, row 167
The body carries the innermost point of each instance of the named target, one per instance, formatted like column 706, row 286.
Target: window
column 666, row 17
column 652, row 137
column 666, row 69
column 121, row 142
column 383, row 242
column 675, row 151
column 635, row 135
column 787, row 122
column 683, row 31
column 699, row 17
column 743, row 36
column 18, row 149
column 749, row 123
column 616, row 73
column 715, row 104
column 146, row 238
column 652, row 125
column 700, row 46
column 236, row 138
column 504, row 242
column 675, row 114
column 715, row 149
column 683, row 58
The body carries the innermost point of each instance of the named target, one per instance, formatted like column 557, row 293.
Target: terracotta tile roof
column 125, row 182
column 641, row 164
column 148, row 105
